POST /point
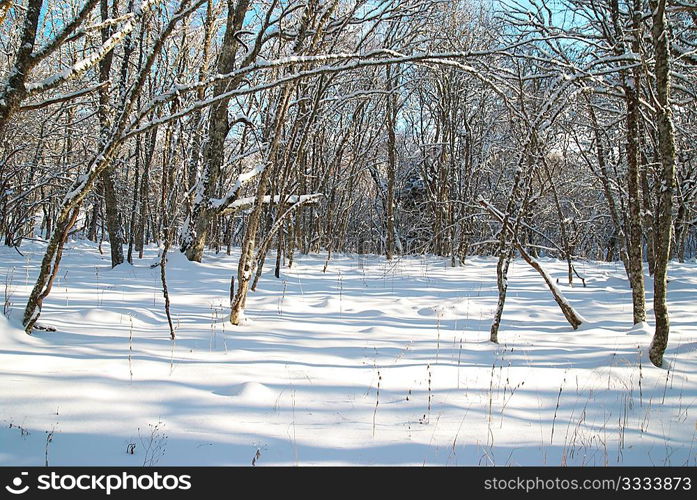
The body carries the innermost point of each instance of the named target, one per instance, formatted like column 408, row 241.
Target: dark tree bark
column 144, row 192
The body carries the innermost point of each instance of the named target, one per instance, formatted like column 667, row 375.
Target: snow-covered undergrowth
column 369, row 363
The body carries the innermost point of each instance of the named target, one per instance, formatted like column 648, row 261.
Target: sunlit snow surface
column 370, row 363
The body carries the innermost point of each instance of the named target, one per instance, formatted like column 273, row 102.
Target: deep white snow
column 370, row 363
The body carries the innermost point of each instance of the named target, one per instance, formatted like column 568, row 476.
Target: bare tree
column 666, row 145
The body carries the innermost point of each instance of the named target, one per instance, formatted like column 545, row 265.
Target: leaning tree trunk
column 509, row 234
column 574, row 319
column 247, row 262
column 666, row 146
column 49, row 267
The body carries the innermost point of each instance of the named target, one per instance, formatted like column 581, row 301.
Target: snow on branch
column 80, row 67
column 247, row 203
column 63, row 97
column 332, row 63
column 64, row 34
column 297, row 202
column 112, row 21
column 243, row 179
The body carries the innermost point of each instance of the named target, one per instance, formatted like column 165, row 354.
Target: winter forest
column 348, row 232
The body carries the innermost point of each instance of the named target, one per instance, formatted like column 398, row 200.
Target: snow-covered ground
column 369, row 363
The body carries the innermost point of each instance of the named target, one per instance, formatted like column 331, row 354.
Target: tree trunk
column 565, row 240
column 509, row 234
column 574, row 319
column 631, row 85
column 111, row 202
column 144, row 188
column 681, row 229
column 202, row 213
column 391, row 120
column 49, row 268
column 247, row 262
column 135, row 203
column 94, row 220
column 648, row 218
column 84, row 184
column 619, row 233
column 113, row 225
column 666, row 145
